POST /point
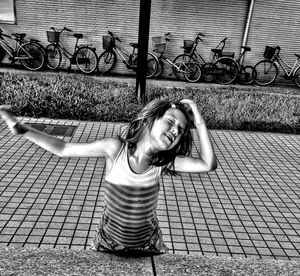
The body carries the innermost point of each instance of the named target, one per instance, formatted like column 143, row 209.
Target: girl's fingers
column 8, row 117
column 5, row 107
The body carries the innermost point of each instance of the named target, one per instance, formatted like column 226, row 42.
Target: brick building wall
column 273, row 22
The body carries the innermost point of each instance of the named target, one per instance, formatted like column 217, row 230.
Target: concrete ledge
column 171, row 264
column 49, row 261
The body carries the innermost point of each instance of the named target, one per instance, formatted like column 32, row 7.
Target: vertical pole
column 144, row 26
column 247, row 26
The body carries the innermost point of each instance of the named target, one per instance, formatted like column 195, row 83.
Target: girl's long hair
column 144, row 121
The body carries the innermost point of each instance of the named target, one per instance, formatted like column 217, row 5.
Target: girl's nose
column 174, row 131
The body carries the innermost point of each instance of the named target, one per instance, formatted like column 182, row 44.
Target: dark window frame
column 8, row 15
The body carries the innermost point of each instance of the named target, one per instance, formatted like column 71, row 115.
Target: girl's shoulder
column 114, row 146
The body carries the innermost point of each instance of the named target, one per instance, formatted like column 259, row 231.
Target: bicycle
column 190, row 70
column 190, row 49
column 30, row 54
column 108, row 59
column 268, row 68
column 226, row 70
column 83, row 56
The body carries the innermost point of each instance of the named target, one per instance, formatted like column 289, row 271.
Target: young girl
column 157, row 141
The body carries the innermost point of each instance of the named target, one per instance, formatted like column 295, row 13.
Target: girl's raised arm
column 99, row 148
column 207, row 160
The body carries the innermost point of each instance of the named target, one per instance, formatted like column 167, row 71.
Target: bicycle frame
column 125, row 56
column 173, row 64
column 292, row 69
column 214, row 55
column 12, row 50
column 198, row 56
column 65, row 51
column 163, row 57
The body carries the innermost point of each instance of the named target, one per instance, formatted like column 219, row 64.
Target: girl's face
column 167, row 131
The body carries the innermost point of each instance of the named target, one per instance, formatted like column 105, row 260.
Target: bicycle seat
column 19, row 35
column 298, row 56
column 216, row 51
column 78, row 36
column 247, row 49
column 134, row 45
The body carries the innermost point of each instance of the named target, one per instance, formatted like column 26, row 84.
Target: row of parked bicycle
column 222, row 67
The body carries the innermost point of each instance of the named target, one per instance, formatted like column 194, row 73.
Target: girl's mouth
column 170, row 137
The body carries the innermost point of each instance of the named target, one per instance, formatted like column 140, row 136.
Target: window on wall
column 7, row 11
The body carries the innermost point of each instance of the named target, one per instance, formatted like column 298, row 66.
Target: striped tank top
column 130, row 201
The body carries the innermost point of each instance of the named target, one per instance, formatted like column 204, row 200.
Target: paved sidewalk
column 248, row 207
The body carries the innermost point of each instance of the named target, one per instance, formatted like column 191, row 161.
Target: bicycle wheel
column 297, row 77
column 207, row 72
column 266, row 72
column 192, row 72
column 160, row 69
column 31, row 56
column 106, row 61
column 53, row 55
column 152, row 65
column 86, row 59
column 179, row 61
column 247, row 75
column 225, row 70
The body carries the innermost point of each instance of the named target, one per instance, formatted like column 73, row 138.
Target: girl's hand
column 9, row 118
column 192, row 107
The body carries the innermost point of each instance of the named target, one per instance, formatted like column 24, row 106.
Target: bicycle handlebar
column 60, row 31
column 113, row 36
column 198, row 37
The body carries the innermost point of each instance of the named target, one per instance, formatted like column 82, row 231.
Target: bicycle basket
column 188, row 45
column 53, row 36
column 269, row 52
column 159, row 44
column 107, row 41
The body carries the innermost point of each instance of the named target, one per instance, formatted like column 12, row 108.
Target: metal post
column 247, row 26
column 144, row 26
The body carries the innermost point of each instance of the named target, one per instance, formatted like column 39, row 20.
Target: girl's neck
column 139, row 161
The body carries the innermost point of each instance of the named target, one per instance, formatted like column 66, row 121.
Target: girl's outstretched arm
column 207, row 160
column 99, row 148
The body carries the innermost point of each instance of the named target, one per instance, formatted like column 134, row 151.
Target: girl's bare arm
column 207, row 160
column 98, row 148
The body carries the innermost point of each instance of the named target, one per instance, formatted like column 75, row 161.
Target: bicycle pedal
column 12, row 59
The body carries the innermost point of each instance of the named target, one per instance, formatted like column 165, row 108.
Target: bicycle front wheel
column 31, row 56
column 247, row 75
column 152, row 65
column 107, row 61
column 160, row 69
column 53, row 55
column 297, row 77
column 225, row 70
column 266, row 72
column 179, row 61
column 86, row 60
column 192, row 72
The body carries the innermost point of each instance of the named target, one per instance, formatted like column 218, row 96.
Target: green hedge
column 79, row 97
